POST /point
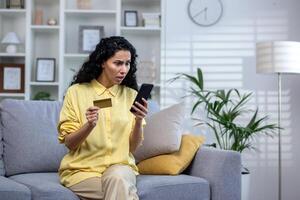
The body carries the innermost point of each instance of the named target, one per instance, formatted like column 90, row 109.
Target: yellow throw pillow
column 174, row 163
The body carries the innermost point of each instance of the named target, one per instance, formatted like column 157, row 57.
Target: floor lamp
column 278, row 57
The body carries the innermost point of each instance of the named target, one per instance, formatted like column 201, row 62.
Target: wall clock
column 205, row 12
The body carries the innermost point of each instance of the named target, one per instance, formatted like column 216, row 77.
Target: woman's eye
column 121, row 63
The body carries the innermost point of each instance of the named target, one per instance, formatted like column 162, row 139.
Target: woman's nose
column 124, row 68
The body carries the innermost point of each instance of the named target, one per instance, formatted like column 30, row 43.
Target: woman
column 100, row 164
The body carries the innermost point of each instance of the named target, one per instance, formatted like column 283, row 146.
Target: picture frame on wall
column 11, row 78
column 130, row 18
column 89, row 37
column 45, row 69
column 15, row 4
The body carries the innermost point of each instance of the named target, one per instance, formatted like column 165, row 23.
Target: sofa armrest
column 222, row 169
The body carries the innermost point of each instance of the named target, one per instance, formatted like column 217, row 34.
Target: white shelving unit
column 61, row 41
column 43, row 42
column 44, row 83
column 13, row 95
column 12, row 55
column 89, row 12
column 12, row 11
column 44, row 27
column 13, row 20
column 102, row 13
column 147, row 40
column 124, row 28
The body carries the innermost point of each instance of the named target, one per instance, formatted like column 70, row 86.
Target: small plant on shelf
column 44, row 96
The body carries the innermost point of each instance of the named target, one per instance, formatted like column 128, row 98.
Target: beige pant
column 117, row 183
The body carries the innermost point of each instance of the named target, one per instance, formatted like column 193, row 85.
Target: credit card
column 103, row 103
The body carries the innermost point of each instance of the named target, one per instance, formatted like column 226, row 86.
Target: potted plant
column 224, row 109
column 44, row 96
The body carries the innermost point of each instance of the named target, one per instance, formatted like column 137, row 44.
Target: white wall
column 226, row 53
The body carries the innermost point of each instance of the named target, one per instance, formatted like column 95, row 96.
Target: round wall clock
column 205, row 12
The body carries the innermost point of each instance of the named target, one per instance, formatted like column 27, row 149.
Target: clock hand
column 205, row 13
column 201, row 11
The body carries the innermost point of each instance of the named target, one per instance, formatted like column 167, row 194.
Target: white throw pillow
column 162, row 134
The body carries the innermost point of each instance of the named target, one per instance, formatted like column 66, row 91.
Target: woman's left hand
column 140, row 110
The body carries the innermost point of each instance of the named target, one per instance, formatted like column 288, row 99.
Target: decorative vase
column 51, row 22
column 38, row 18
column 84, row 4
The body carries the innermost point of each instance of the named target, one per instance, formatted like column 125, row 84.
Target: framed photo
column 130, row 18
column 45, row 69
column 15, row 3
column 12, row 78
column 89, row 37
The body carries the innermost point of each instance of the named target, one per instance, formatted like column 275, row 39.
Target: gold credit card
column 103, row 103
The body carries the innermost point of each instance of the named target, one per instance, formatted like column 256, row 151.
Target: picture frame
column 15, row 4
column 12, row 78
column 45, row 69
column 130, row 18
column 89, row 37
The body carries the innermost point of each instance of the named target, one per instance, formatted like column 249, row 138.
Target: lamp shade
column 10, row 38
column 278, row 57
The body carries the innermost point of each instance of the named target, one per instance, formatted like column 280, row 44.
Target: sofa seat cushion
column 172, row 187
column 12, row 190
column 45, row 186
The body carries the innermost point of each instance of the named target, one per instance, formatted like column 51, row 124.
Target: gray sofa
column 30, row 156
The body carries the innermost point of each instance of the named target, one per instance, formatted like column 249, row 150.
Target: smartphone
column 144, row 92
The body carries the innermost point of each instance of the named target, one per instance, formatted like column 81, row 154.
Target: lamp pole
column 278, row 57
column 279, row 136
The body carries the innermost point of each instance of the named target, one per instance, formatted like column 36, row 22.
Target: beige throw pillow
column 162, row 133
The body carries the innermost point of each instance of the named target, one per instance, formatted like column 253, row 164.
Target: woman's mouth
column 120, row 78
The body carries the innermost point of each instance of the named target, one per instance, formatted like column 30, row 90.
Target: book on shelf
column 151, row 20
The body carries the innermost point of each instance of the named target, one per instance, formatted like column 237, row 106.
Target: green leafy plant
column 224, row 109
column 44, row 96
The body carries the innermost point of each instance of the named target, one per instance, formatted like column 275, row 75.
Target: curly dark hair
column 105, row 49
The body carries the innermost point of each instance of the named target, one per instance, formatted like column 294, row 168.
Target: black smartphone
column 144, row 92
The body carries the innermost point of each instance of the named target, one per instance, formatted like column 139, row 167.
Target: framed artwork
column 89, row 37
column 12, row 78
column 15, row 4
column 45, row 69
column 130, row 18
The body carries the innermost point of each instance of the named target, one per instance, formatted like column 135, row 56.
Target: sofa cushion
column 153, row 107
column 12, row 190
column 45, row 186
column 173, row 163
column 30, row 136
column 172, row 187
column 162, row 134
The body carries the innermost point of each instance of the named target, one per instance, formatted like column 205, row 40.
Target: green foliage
column 44, row 96
column 223, row 108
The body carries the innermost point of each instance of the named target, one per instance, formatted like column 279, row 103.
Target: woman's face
column 115, row 68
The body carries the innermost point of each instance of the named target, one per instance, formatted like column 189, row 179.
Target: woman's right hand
column 92, row 115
